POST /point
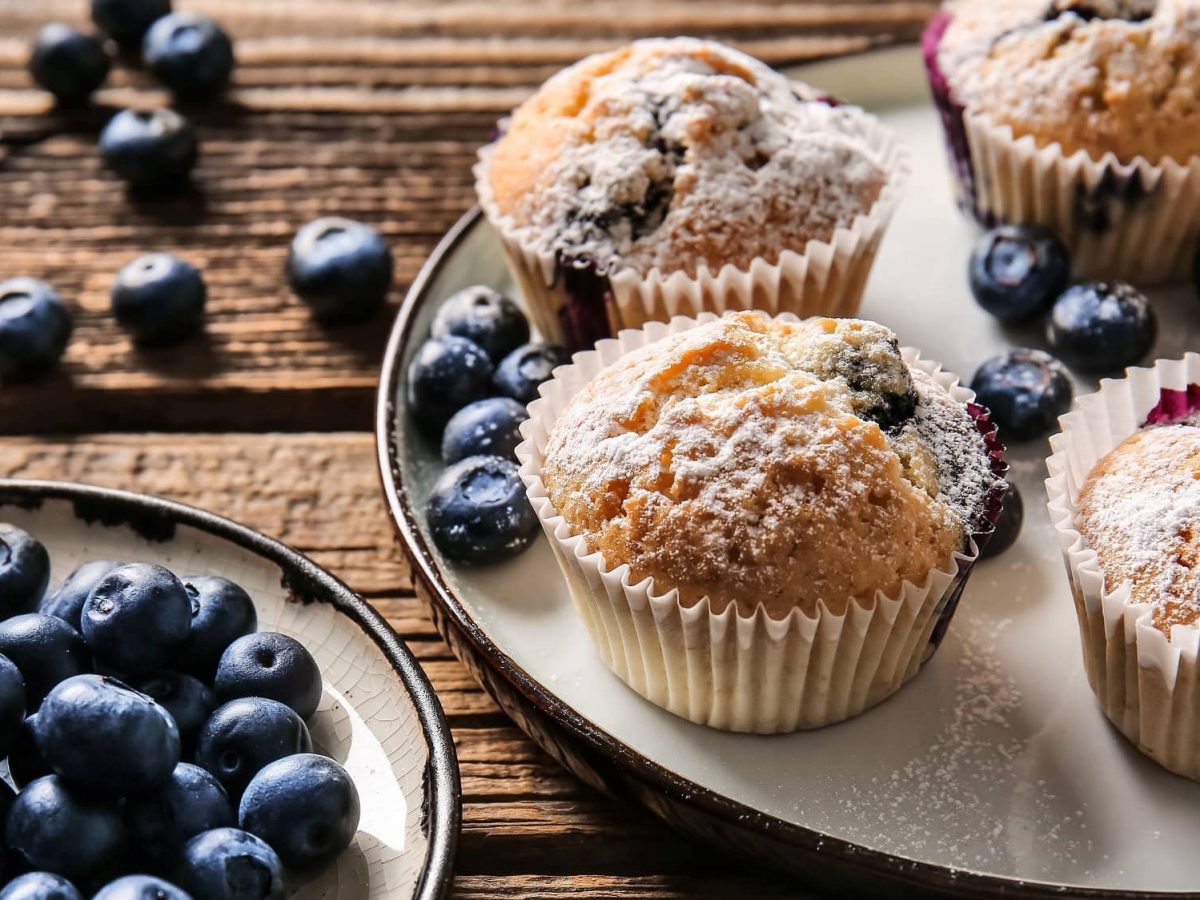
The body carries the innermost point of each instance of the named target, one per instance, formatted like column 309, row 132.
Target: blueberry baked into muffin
column 1080, row 115
column 803, row 479
column 667, row 174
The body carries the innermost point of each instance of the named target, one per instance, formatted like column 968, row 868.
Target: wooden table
column 372, row 110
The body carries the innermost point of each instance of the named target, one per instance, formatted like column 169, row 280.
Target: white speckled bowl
column 378, row 716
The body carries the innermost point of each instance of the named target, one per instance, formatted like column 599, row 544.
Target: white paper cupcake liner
column 1147, row 685
column 727, row 670
column 1136, row 221
column 822, row 278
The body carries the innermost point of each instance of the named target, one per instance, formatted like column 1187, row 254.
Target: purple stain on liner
column 585, row 318
column 1174, row 406
column 951, row 113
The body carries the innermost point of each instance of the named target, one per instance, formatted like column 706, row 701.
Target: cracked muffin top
column 676, row 154
column 754, row 460
column 1139, row 509
column 1102, row 76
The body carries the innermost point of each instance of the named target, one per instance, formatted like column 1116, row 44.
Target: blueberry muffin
column 784, row 470
column 668, row 157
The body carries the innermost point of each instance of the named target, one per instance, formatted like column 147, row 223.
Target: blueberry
column 104, row 737
column 161, row 823
column 222, row 612
column 35, row 326
column 244, row 735
column 40, row 886
column 53, row 829
column 188, row 701
column 140, row 887
column 1008, row 526
column 229, row 864
column 444, row 376
column 306, row 807
column 484, row 316
column 1016, row 271
column 270, row 665
column 190, row 54
column 342, row 269
column 25, row 763
column 67, row 602
column 7, row 796
column 66, row 62
column 12, row 704
column 490, row 427
column 520, row 373
column 149, row 149
column 478, row 511
column 159, row 298
column 137, row 618
column 127, row 21
column 46, row 650
column 1026, row 391
column 24, row 571
column 1102, row 326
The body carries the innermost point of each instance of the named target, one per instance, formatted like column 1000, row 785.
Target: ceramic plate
column 378, row 716
column 993, row 773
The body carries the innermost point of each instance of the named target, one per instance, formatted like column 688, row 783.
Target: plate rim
column 442, row 801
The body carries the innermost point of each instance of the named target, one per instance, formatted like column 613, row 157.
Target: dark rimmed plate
column 993, row 774
column 378, row 716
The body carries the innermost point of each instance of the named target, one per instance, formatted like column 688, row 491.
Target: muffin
column 678, row 175
column 1079, row 115
column 1125, row 498
column 765, row 522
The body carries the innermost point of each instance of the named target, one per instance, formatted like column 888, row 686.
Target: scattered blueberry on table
column 127, row 21
column 190, row 54
column 150, row 149
column 485, row 316
column 159, row 298
column 1008, row 526
column 1016, row 271
column 478, row 512
column 341, row 268
column 1025, row 390
column 35, row 325
column 69, row 64
column 490, row 427
column 1102, row 326
column 525, row 369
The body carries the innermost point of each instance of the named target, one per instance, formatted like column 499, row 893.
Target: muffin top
column 676, row 154
column 1139, row 509
column 753, row 460
column 1102, row 76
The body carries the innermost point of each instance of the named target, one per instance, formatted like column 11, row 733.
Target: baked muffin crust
column 753, row 460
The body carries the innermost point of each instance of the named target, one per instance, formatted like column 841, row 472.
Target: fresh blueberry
column 66, row 62
column 520, row 373
column 1016, row 271
column 50, row 828
column 140, row 887
column 270, row 665
column 137, row 618
column 222, row 612
column 478, row 511
column 1026, row 391
column 342, row 269
column 1008, row 526
column 35, row 325
column 90, row 718
column 25, row 763
column 12, row 704
column 1102, row 326
column 47, row 651
column 244, row 735
column 229, row 864
column 67, row 602
column 490, row 427
column 127, row 21
column 159, row 298
column 7, row 796
column 161, row 823
column 39, row 886
column 188, row 701
column 444, row 376
column 24, row 571
column 190, row 54
column 485, row 316
column 306, row 807
column 149, row 149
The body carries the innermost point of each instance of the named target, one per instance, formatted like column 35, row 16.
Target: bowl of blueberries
column 190, row 709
